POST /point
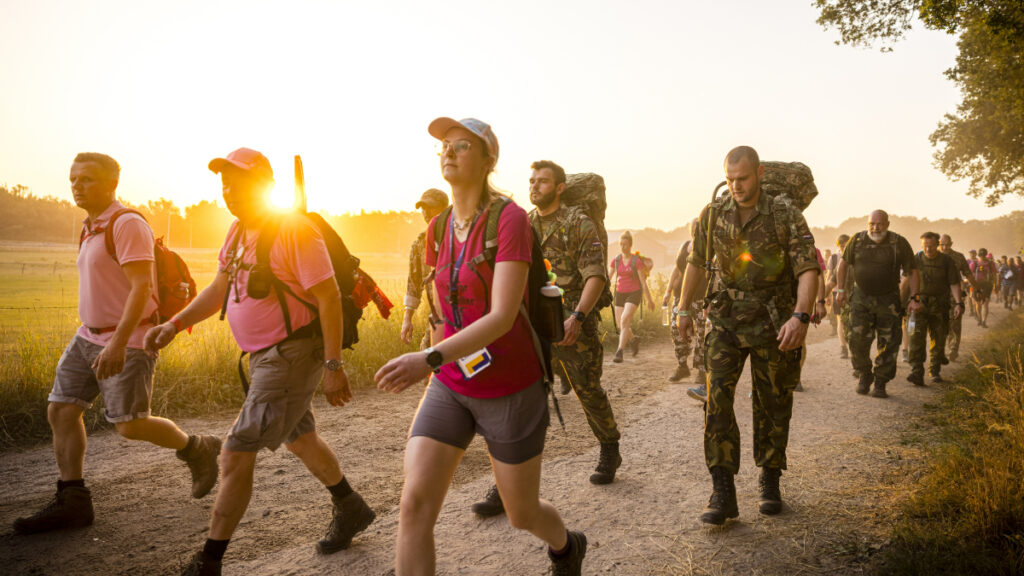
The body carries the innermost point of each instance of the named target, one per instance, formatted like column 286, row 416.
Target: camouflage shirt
column 418, row 271
column 758, row 264
column 570, row 242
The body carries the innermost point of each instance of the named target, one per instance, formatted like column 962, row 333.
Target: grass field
column 197, row 374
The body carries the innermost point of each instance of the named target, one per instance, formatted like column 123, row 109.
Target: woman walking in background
column 630, row 290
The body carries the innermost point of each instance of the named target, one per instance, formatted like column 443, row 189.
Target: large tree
column 984, row 141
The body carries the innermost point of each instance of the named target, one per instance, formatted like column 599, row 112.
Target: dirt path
column 843, row 454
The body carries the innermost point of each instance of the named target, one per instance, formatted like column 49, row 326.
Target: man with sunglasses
column 431, row 203
column 285, row 365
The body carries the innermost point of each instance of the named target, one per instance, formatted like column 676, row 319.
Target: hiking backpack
column 983, row 270
column 175, row 287
column 586, row 191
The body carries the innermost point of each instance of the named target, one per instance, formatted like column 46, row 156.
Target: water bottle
column 549, row 321
column 666, row 315
column 911, row 323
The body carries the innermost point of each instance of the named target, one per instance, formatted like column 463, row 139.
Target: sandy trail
column 844, row 457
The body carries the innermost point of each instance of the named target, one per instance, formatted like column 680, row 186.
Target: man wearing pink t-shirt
column 289, row 319
column 116, row 305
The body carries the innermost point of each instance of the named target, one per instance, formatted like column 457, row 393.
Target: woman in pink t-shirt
column 630, row 289
column 487, row 377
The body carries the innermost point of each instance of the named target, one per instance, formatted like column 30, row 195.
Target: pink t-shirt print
column 626, row 275
column 515, row 365
column 299, row 258
column 103, row 287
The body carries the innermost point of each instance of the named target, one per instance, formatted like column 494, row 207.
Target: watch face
column 332, row 364
column 434, row 359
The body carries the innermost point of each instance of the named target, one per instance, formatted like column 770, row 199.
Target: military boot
column 844, row 352
column 350, row 516
column 607, row 464
column 682, row 371
column 722, row 504
column 201, row 456
column 879, row 391
column 770, row 502
column 202, row 565
column 491, row 505
column 864, row 384
column 70, row 508
column 565, row 388
column 571, row 564
column 916, row 378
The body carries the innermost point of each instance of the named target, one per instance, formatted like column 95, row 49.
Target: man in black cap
column 431, row 203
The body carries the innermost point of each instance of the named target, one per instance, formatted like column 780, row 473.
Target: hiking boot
column 952, row 357
column 856, row 373
column 844, row 353
column 770, row 502
column 944, row 361
column 682, row 371
column 722, row 504
column 202, row 565
column 566, row 388
column 905, row 356
column 351, row 516
column 607, row 464
column 572, row 563
column 634, row 345
column 698, row 393
column 879, row 391
column 916, row 378
column 864, row 384
column 491, row 505
column 201, row 458
column 618, row 356
column 70, row 508
column 936, row 379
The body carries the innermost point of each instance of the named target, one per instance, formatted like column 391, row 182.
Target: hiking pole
column 300, row 185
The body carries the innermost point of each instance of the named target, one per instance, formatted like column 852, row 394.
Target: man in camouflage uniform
column 767, row 281
column 877, row 257
column 832, row 288
column 939, row 277
column 571, row 244
column 431, row 203
column 956, row 321
column 685, row 346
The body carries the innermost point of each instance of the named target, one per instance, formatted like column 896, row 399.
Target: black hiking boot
column 770, row 502
column 607, row 464
column 916, row 378
column 682, row 371
column 351, row 516
column 70, row 508
column 572, row 563
column 879, row 391
column 722, row 504
column 201, row 458
column 937, row 378
column 491, row 505
column 864, row 384
column 202, row 565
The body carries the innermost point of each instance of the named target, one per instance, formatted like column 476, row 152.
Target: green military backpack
column 585, row 191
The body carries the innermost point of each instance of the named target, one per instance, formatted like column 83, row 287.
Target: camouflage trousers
column 775, row 375
column 581, row 365
column 683, row 346
column 931, row 324
column 845, row 322
column 874, row 317
column 954, row 335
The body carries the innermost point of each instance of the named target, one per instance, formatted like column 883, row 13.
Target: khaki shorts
column 513, row 426
column 125, row 395
column 279, row 406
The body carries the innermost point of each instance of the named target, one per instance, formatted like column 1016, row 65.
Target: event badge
column 475, row 363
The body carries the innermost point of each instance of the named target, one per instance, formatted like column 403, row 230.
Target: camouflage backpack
column 586, row 192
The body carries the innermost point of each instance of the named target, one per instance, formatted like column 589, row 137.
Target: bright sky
column 649, row 94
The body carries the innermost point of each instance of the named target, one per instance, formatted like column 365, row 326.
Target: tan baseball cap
column 434, row 198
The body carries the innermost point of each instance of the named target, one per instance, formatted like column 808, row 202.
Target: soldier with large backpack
column 281, row 290
column 117, row 303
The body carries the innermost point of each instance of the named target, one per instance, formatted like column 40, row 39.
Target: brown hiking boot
column 722, row 504
column 844, row 353
column 618, row 356
column 202, row 565
column 491, row 505
column 607, row 464
column 201, row 458
column 565, row 388
column 350, row 516
column 770, row 502
column 682, row 371
column 572, row 563
column 879, row 391
column 634, row 345
column 70, row 508
column 864, row 384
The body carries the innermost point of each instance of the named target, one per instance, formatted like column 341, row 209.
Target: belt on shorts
column 308, row 331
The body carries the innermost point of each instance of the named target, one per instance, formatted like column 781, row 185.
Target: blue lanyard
column 456, row 268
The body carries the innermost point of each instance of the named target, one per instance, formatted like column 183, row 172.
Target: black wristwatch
column 579, row 316
column 822, row 301
column 803, row 316
column 434, row 360
column 333, row 364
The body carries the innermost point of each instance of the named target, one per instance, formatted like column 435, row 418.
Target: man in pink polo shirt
column 116, row 305
column 288, row 318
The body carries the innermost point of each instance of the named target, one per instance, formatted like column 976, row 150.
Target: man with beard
column 956, row 321
column 877, row 257
column 294, row 341
column 569, row 240
column 431, row 203
column 105, row 356
column 766, row 284
column 939, row 278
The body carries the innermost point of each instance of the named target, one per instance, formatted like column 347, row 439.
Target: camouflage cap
column 433, row 198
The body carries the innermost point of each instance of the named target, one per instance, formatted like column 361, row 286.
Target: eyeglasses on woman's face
column 458, row 147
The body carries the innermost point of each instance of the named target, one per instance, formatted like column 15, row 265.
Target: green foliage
column 984, row 141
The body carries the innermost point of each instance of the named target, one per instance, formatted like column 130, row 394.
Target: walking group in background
column 747, row 285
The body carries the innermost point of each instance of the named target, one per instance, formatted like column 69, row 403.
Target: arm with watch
column 914, row 280
column 794, row 331
column 328, row 298
column 574, row 323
